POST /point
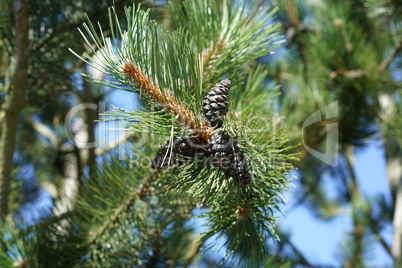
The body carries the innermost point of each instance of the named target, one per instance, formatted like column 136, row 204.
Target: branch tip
column 243, row 212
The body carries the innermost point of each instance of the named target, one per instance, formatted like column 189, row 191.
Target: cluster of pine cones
column 221, row 150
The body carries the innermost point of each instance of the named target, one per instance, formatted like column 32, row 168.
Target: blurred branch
column 71, row 27
column 398, row 48
column 353, row 186
column 352, row 89
column 90, row 117
column 194, row 249
column 358, row 222
column 291, row 11
column 302, row 260
column 51, row 136
column 306, row 193
column 156, row 251
column 374, row 228
column 115, row 143
column 141, row 193
column 43, row 130
column 293, row 32
column 396, row 247
column 359, row 97
column 394, row 83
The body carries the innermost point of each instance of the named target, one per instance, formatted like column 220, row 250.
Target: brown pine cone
column 226, row 156
column 216, row 103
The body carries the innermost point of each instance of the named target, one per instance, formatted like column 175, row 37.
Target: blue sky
column 320, row 240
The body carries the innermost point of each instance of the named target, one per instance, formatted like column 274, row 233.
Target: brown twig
column 294, row 30
column 291, row 10
column 167, row 100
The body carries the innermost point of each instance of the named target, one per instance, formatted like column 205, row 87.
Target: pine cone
column 165, row 157
column 216, row 103
column 223, row 152
column 169, row 154
column 185, row 147
column 226, row 156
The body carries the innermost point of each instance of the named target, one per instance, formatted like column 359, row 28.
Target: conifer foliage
column 173, row 72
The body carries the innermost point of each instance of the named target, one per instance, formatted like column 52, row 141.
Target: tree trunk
column 13, row 102
column 90, row 117
column 394, row 172
column 71, row 181
column 394, row 169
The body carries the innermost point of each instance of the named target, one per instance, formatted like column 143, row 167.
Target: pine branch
column 142, row 70
column 166, row 100
column 256, row 9
column 129, row 230
column 223, row 30
column 140, row 194
column 165, row 68
column 211, row 54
